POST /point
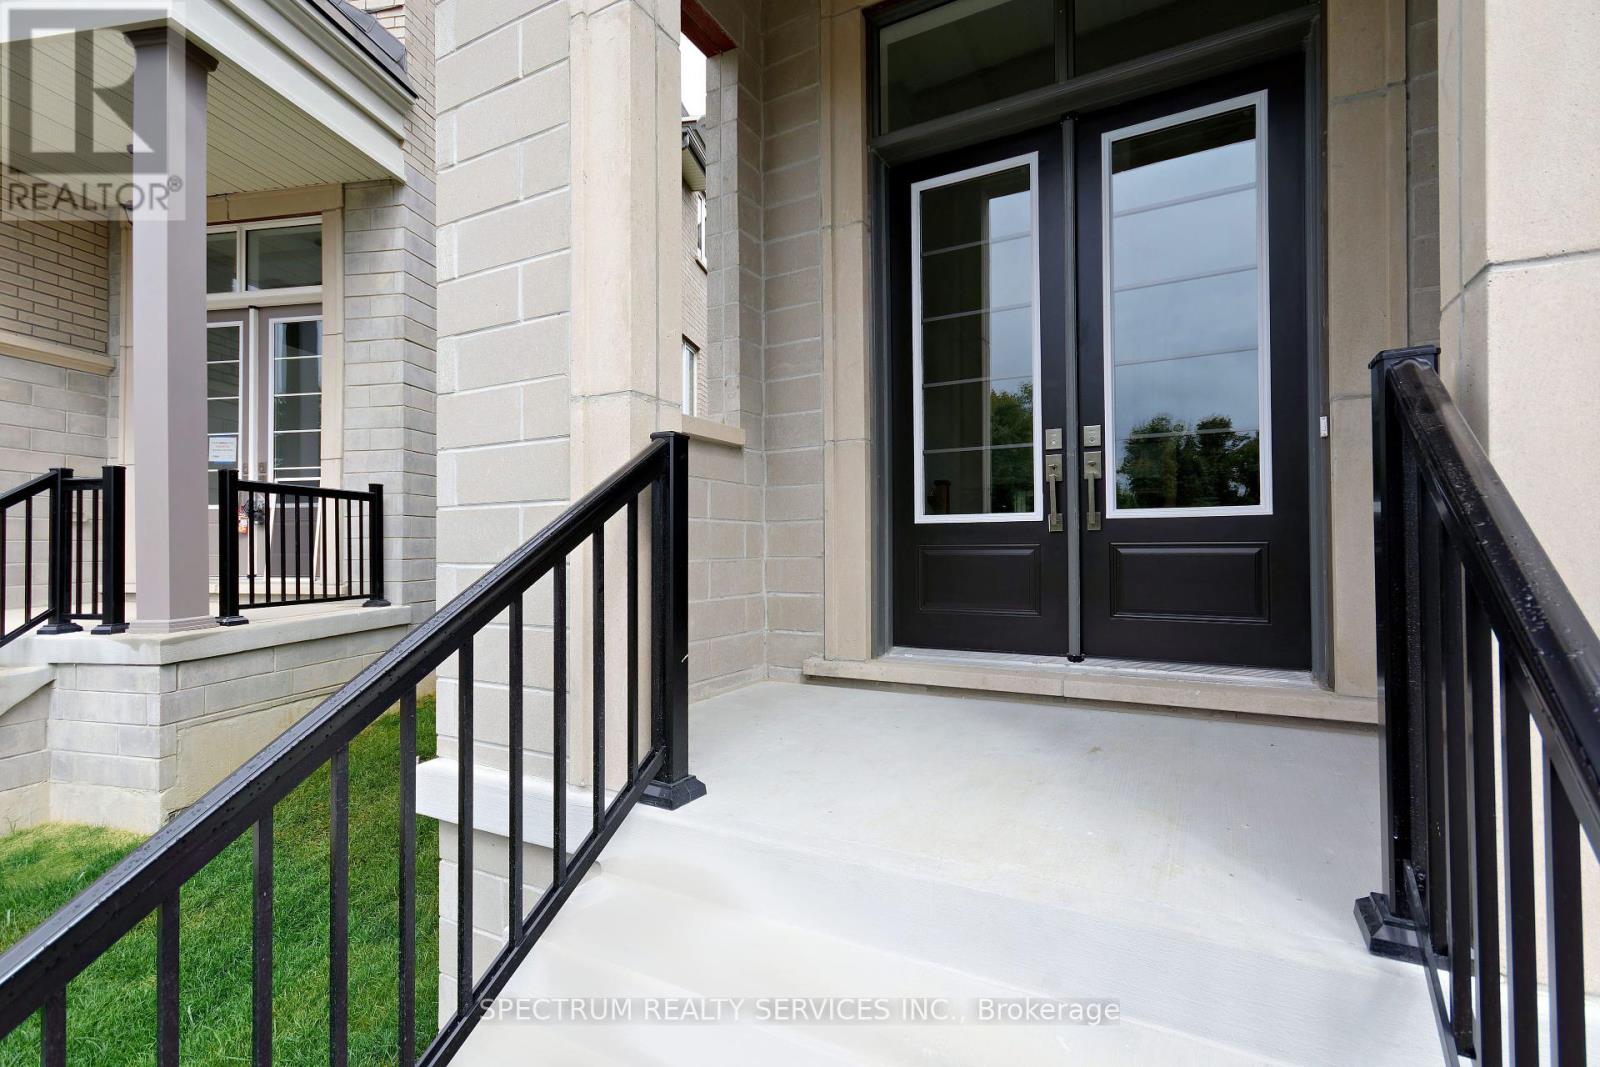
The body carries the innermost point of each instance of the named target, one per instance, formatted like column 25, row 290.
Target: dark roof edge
column 368, row 37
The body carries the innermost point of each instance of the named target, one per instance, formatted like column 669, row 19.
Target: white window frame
column 700, row 229
column 1258, row 100
column 691, row 378
column 270, row 399
column 1031, row 161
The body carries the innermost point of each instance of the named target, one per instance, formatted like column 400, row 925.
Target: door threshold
column 1151, row 684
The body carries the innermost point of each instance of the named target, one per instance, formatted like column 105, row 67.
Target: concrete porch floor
column 1199, row 870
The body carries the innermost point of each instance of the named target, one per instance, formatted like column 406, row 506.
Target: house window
column 700, row 228
column 264, row 351
column 694, row 380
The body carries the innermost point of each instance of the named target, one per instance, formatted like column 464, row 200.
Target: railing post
column 228, row 548
column 1384, row 917
column 113, row 551
column 673, row 786
column 375, row 549
column 59, row 574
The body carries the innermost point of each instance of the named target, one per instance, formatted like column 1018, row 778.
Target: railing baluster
column 5, row 573
column 27, row 561
column 1481, row 787
column 1563, row 922
column 167, row 983
column 558, row 740
column 598, row 609
column 514, row 743
column 1454, row 868
column 250, row 539
column 464, row 822
column 266, row 549
column 633, row 637
column 283, row 546
column 408, row 879
column 1516, row 819
column 1434, row 865
column 261, row 945
column 322, row 541
column 339, row 908
column 53, row 1030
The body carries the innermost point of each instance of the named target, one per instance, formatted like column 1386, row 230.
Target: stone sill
column 22, row 346
column 717, row 433
column 263, row 631
column 1100, row 684
column 491, row 803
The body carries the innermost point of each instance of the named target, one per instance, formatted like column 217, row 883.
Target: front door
column 979, row 385
column 1192, row 370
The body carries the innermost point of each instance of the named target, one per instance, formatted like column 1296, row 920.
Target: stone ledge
column 22, row 346
column 717, row 433
column 19, row 683
column 1111, row 685
column 155, row 649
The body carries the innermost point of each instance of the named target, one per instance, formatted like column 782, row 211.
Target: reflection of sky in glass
column 978, row 256
column 1185, row 297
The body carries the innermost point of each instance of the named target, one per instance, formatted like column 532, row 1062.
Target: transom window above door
column 975, row 343
column 937, row 59
column 262, row 256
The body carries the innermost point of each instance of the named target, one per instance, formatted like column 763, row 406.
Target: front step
column 623, row 938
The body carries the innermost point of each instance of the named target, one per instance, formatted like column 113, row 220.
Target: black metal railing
column 35, row 972
column 315, row 546
column 1477, row 637
column 63, row 553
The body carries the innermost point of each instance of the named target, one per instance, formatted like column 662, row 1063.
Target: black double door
column 1100, row 425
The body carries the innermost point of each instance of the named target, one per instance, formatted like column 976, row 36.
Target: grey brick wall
column 1422, row 168
column 389, row 337
column 54, row 282
column 792, row 298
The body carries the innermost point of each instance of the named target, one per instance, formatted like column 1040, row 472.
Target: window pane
column 222, row 262
column 975, row 278
column 222, row 417
column 963, row 54
column 222, row 401
column 1186, row 333
column 1108, row 32
column 297, row 376
column 281, row 257
column 302, row 451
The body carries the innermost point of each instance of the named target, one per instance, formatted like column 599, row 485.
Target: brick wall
column 792, row 297
column 389, row 336
column 1422, row 172
column 54, row 282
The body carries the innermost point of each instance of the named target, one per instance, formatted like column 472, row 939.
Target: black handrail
column 1458, row 570
column 34, row 972
column 82, row 552
column 328, row 545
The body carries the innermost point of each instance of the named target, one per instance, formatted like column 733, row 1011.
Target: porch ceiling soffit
column 292, row 103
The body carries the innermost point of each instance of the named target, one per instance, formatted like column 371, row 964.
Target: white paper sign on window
column 224, row 450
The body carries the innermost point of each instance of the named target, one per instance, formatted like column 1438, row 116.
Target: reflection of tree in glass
column 1167, row 465
column 1011, row 469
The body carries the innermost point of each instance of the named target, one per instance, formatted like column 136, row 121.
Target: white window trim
column 271, row 358
column 700, row 230
column 243, row 298
column 1263, row 303
column 1031, row 160
column 691, row 378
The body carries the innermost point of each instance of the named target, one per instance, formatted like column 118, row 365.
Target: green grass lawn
column 111, row 1005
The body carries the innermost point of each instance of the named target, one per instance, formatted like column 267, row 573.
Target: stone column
column 1519, row 180
column 168, row 372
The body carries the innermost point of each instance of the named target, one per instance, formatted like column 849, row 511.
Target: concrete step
column 1257, row 994
column 624, row 938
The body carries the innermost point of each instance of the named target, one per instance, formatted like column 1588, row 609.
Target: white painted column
column 168, row 289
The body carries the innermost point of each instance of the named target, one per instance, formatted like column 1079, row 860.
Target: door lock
column 1093, row 471
column 1052, row 480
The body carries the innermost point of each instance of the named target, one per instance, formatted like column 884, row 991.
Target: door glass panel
column 1108, row 32
column 1185, row 334
column 963, row 54
column 283, row 257
column 222, row 401
column 976, row 344
column 297, row 401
